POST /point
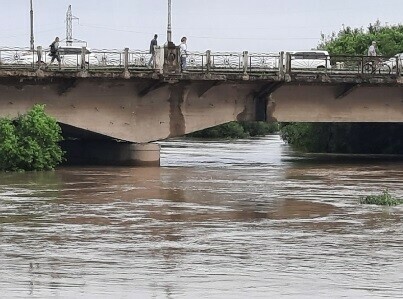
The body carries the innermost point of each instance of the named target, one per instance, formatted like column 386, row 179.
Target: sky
column 216, row 25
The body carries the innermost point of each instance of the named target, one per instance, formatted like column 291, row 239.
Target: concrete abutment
column 111, row 153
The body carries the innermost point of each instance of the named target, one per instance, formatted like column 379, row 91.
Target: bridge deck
column 206, row 66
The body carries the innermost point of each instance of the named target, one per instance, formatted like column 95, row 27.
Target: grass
column 384, row 199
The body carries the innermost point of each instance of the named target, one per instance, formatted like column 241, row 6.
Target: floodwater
column 230, row 219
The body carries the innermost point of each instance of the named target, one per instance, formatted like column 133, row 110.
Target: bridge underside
column 336, row 103
column 142, row 110
column 138, row 110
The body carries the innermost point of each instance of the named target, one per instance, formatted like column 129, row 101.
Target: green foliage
column 357, row 138
column 9, row 153
column 30, row 142
column 360, row 138
column 356, row 41
column 259, row 128
column 384, row 199
column 228, row 130
column 305, row 136
column 236, row 130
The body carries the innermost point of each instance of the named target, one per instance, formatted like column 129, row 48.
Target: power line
column 203, row 37
column 26, row 34
column 112, row 29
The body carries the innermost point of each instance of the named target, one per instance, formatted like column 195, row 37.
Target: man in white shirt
column 183, row 53
column 372, row 49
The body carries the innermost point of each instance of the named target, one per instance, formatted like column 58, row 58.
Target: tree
column 366, row 138
column 30, row 142
column 356, row 41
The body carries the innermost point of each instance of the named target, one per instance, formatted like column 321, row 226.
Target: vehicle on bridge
column 308, row 60
column 395, row 61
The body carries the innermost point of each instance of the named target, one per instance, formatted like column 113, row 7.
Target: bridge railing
column 364, row 65
column 111, row 59
column 342, row 64
column 74, row 59
column 224, row 62
column 265, row 62
column 17, row 58
column 217, row 62
column 204, row 62
column 120, row 60
column 197, row 61
column 233, row 62
column 139, row 59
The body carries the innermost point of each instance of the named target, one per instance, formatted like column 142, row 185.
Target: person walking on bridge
column 54, row 52
column 372, row 53
column 372, row 49
column 183, row 53
column 153, row 44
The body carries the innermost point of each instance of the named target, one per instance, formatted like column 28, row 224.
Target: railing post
column 126, row 59
column 159, row 59
column 362, row 64
column 83, row 51
column 288, row 63
column 208, row 62
column 39, row 53
column 281, row 65
column 245, row 62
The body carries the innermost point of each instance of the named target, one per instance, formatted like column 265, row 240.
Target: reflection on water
column 239, row 219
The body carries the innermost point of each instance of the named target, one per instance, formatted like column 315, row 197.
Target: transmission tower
column 69, row 26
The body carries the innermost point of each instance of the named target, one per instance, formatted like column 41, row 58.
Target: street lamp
column 32, row 27
column 169, row 31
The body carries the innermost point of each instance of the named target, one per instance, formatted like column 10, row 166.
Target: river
column 229, row 219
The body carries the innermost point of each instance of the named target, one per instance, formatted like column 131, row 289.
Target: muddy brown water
column 229, row 219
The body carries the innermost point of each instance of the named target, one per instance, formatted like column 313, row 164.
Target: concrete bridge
column 124, row 100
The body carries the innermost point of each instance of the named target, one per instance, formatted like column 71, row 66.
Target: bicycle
column 376, row 66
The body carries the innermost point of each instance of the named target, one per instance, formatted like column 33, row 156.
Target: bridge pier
column 111, row 153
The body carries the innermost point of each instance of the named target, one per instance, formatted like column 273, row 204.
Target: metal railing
column 343, row 64
column 263, row 62
column 232, row 62
column 17, row 58
column 257, row 64
column 365, row 65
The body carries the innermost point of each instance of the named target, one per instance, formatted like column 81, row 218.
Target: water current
column 229, row 219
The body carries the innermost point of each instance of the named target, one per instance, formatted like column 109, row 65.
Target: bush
column 236, row 130
column 9, row 153
column 348, row 138
column 30, row 142
column 309, row 137
column 384, row 199
column 259, row 128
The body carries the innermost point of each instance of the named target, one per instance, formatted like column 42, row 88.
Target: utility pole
column 171, row 52
column 169, row 31
column 32, row 28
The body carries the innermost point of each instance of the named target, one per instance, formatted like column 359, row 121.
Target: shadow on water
column 350, row 159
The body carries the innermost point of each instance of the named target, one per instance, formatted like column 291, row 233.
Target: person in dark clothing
column 54, row 52
column 153, row 44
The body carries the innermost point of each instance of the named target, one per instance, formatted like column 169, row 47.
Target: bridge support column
column 111, row 153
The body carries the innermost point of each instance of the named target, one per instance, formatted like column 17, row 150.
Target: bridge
column 117, row 106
